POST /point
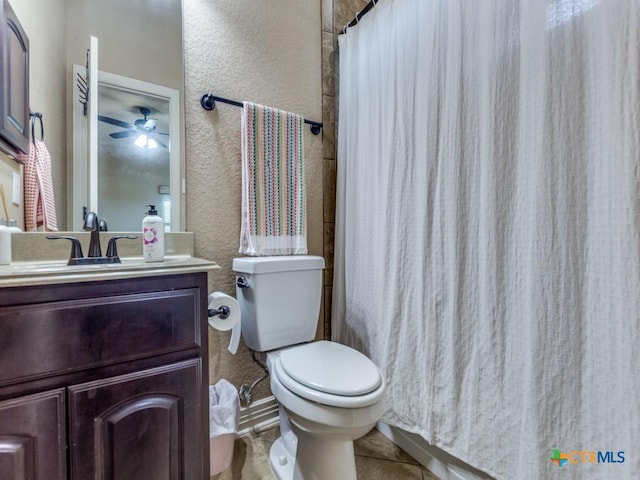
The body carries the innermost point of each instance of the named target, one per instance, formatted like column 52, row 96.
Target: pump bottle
column 152, row 236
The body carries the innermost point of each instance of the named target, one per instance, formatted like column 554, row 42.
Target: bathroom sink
column 29, row 268
column 39, row 261
column 41, row 272
column 18, row 269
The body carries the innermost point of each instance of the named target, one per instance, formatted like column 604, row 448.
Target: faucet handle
column 112, row 250
column 76, row 248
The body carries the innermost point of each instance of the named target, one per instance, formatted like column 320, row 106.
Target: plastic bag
column 224, row 414
column 224, row 408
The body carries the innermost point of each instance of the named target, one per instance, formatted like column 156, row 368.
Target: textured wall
column 268, row 52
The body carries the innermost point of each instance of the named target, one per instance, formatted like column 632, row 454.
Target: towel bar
column 208, row 102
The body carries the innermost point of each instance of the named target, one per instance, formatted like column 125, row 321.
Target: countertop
column 39, row 261
column 20, row 274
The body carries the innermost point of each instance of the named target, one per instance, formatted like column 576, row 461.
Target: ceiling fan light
column 141, row 141
column 152, row 143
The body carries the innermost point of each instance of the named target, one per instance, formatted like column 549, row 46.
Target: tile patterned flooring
column 377, row 458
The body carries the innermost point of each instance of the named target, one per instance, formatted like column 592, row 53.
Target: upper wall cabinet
column 14, row 83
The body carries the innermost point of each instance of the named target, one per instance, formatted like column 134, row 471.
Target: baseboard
column 258, row 416
column 439, row 462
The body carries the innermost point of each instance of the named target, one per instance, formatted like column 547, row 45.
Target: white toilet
column 329, row 394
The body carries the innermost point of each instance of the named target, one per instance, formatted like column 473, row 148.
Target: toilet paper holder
column 222, row 312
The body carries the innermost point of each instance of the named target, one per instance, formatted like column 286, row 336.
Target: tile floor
column 377, row 458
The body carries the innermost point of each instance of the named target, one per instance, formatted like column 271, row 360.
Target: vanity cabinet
column 33, row 436
column 14, row 83
column 105, row 380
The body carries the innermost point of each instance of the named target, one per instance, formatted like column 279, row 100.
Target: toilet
column 328, row 394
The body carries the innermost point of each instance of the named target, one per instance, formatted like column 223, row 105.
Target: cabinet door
column 33, row 438
column 141, row 426
column 14, row 73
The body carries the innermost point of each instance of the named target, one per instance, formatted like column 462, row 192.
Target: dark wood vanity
column 14, row 83
column 105, row 379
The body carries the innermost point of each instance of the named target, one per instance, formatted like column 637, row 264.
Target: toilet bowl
column 318, row 427
column 328, row 394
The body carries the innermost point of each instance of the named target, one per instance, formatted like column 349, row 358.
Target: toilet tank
column 280, row 303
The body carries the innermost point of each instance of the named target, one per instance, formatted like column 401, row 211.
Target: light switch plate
column 16, row 190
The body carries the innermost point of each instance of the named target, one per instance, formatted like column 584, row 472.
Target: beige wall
column 136, row 39
column 7, row 166
column 45, row 25
column 268, row 52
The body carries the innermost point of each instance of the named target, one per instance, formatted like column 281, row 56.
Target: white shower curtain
column 488, row 227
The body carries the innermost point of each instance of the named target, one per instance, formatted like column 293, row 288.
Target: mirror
column 140, row 40
column 138, row 125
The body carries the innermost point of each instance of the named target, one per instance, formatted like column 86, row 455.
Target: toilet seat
column 330, row 374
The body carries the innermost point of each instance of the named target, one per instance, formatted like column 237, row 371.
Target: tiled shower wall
column 335, row 15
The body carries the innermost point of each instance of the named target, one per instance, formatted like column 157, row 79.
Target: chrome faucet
column 92, row 224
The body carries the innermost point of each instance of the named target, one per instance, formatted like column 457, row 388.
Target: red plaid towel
column 39, row 202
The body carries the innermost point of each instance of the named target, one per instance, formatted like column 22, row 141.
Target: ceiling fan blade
column 124, row 134
column 160, row 142
column 161, row 133
column 113, row 121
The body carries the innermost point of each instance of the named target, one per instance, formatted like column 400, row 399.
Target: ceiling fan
column 144, row 128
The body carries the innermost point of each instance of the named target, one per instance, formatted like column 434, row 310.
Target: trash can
column 224, row 412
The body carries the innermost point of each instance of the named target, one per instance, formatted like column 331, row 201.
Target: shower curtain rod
column 359, row 15
column 208, row 102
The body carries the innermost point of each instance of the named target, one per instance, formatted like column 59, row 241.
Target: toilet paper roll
column 216, row 301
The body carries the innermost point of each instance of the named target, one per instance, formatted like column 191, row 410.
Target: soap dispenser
column 152, row 236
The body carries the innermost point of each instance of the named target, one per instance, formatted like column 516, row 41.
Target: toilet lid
column 330, row 367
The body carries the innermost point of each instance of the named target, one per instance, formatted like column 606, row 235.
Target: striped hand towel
column 273, row 195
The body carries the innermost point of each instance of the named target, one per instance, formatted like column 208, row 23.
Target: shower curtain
column 487, row 250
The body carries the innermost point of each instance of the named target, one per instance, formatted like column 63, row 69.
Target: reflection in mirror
column 137, row 143
column 139, row 39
